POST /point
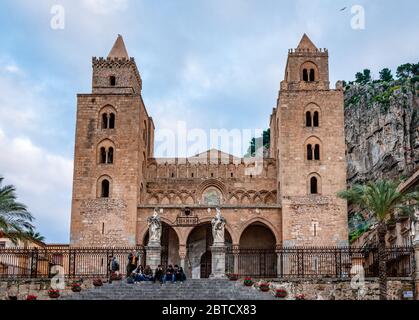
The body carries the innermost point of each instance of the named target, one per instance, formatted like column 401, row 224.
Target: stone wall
column 342, row 290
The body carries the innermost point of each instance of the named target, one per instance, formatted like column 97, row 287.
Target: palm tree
column 33, row 235
column 15, row 220
column 381, row 199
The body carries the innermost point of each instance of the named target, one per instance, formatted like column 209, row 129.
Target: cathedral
column 291, row 201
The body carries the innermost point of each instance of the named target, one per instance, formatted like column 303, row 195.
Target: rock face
column 382, row 131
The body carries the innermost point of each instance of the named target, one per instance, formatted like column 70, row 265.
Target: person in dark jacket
column 159, row 274
column 170, row 274
column 179, row 274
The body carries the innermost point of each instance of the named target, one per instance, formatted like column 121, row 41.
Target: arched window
column 103, row 155
column 305, row 75
column 105, row 189
column 312, row 75
column 105, row 121
column 316, row 119
column 317, row 152
column 111, row 121
column 112, row 81
column 314, row 185
column 308, row 119
column 110, row 156
column 309, row 152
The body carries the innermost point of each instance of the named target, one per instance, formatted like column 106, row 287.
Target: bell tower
column 114, row 140
column 309, row 145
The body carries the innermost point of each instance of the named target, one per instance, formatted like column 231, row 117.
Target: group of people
column 137, row 273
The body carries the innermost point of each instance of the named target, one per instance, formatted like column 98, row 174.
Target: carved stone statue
column 218, row 227
column 155, row 228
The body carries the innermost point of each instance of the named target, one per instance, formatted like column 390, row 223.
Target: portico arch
column 199, row 241
column 260, row 222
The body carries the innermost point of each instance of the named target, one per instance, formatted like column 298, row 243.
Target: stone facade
column 290, row 200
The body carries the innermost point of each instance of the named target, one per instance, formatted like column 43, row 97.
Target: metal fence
column 301, row 262
column 318, row 262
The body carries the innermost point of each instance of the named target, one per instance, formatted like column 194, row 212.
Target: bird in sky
column 343, row 9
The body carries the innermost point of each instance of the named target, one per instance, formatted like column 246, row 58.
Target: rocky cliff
column 382, row 130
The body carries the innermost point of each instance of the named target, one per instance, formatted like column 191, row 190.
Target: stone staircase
column 205, row 289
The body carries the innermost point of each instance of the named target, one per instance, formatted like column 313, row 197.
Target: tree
column 255, row 143
column 405, row 71
column 363, row 77
column 35, row 236
column 385, row 75
column 15, row 220
column 382, row 199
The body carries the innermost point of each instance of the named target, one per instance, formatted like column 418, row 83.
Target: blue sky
column 213, row 64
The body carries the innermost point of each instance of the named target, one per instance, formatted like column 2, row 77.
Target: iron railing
column 298, row 262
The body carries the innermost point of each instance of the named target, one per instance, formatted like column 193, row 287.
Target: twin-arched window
column 106, row 155
column 312, row 119
column 108, row 121
column 309, row 75
column 313, row 152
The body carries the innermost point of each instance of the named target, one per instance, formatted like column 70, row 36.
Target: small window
column 102, row 155
column 112, row 121
column 309, row 152
column 316, row 119
column 112, row 80
column 105, row 189
column 173, row 175
column 308, row 119
column 212, row 175
column 232, row 175
column 105, row 121
column 305, row 75
column 192, row 175
column 110, row 155
column 317, row 152
column 312, row 75
column 313, row 185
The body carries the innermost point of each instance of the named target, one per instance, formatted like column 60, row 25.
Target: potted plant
column 97, row 282
column 76, row 287
column 248, row 282
column 13, row 298
column 300, row 297
column 264, row 286
column 116, row 277
column 31, row 297
column 233, row 277
column 54, row 294
column 281, row 293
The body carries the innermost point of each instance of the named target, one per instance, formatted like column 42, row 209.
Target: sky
column 212, row 64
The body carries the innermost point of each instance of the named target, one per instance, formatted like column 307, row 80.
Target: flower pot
column 264, row 288
column 97, row 283
column 31, row 298
column 54, row 295
column 248, row 283
column 281, row 294
column 13, row 298
column 76, row 289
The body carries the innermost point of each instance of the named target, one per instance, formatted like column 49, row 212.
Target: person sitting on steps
column 159, row 274
column 170, row 274
column 138, row 274
column 148, row 274
column 179, row 274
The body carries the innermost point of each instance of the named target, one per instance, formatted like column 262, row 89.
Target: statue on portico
column 155, row 228
column 218, row 227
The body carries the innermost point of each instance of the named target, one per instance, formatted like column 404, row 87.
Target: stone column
column 182, row 255
column 153, row 257
column 218, row 261
column 236, row 252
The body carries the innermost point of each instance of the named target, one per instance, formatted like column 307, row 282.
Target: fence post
column 34, row 263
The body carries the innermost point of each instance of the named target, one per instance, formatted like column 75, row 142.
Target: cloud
column 43, row 181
